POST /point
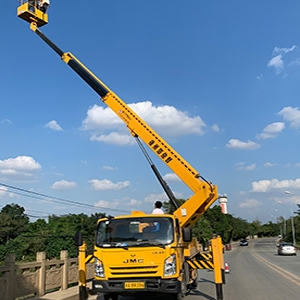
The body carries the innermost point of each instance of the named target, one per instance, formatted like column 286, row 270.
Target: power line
column 41, row 196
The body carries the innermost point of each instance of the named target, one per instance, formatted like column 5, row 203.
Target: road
column 256, row 272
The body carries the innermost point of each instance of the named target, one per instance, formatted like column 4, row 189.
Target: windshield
column 133, row 232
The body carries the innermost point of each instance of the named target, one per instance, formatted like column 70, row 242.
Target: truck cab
column 139, row 254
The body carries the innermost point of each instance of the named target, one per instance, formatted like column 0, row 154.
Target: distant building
column 223, row 203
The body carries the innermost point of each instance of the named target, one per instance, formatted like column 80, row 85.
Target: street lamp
column 292, row 220
column 293, row 227
column 284, row 223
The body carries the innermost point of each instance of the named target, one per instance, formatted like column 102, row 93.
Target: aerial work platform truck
column 143, row 254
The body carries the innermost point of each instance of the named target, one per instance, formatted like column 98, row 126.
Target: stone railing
column 40, row 277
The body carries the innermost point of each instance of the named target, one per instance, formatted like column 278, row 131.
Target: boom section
column 138, row 127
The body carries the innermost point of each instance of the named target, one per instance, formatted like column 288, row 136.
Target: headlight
column 170, row 266
column 99, row 268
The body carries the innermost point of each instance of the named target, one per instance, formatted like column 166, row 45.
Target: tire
column 194, row 284
column 178, row 296
column 100, row 297
column 110, row 296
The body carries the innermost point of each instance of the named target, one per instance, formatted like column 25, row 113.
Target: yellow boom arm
column 204, row 192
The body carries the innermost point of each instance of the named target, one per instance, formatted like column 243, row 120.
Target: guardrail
column 40, row 277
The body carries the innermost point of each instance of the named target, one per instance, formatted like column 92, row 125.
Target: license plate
column 134, row 285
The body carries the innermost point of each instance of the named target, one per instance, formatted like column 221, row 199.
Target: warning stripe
column 200, row 264
column 89, row 259
column 205, row 256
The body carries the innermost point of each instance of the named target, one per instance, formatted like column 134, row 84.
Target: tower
column 223, row 203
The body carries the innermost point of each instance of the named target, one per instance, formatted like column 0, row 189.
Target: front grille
column 146, row 270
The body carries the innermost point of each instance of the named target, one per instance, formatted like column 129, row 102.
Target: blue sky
column 219, row 80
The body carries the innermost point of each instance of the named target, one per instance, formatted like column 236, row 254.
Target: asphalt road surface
column 256, row 273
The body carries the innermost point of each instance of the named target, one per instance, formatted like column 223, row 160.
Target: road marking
column 283, row 272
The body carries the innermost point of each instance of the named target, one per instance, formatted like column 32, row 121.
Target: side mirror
column 187, row 234
column 78, row 239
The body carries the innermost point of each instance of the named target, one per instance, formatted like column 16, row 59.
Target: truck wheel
column 178, row 296
column 110, row 296
column 194, row 284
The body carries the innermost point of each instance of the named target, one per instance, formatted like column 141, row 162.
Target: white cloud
column 250, row 203
column 239, row 145
column 269, row 165
column 277, row 60
column 115, row 203
column 250, row 167
column 277, row 63
column 278, row 50
column 133, row 202
column 215, row 128
column 171, row 177
column 105, row 184
column 295, row 165
column 151, row 198
column 19, row 168
column 114, row 138
column 53, row 125
column 164, row 119
column 4, row 192
column 63, row 185
column 106, row 204
column 271, row 131
column 264, row 186
column 292, row 115
column 242, row 167
column 110, row 168
column 295, row 62
column 5, row 121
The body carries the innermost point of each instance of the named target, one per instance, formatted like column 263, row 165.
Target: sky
column 218, row 80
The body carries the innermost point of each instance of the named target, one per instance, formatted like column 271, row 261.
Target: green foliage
column 169, row 208
column 227, row 226
column 220, row 223
column 241, row 229
column 25, row 239
column 203, row 231
column 13, row 222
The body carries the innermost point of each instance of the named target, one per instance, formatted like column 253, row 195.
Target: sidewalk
column 69, row 294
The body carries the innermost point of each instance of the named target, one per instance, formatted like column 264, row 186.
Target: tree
column 24, row 238
column 7, row 228
column 13, row 222
column 203, row 231
column 16, row 212
column 169, row 208
column 219, row 223
column 240, row 228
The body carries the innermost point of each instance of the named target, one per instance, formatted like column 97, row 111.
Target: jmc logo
column 134, row 261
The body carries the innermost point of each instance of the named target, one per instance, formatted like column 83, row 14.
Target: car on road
column 286, row 249
column 243, row 242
